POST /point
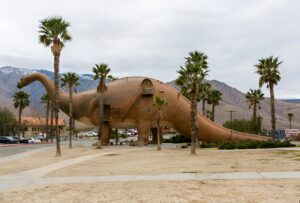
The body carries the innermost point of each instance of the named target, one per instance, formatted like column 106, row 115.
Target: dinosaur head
column 22, row 82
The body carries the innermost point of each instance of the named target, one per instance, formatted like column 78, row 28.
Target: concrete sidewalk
column 11, row 182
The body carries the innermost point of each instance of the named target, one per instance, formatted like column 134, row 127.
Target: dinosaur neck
column 49, row 86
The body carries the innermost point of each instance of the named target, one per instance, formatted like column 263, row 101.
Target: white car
column 90, row 134
column 32, row 140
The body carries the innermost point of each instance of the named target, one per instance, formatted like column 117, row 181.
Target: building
column 35, row 125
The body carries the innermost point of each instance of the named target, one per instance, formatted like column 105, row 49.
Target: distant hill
column 292, row 100
column 232, row 98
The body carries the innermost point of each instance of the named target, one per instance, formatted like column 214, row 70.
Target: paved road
column 16, row 149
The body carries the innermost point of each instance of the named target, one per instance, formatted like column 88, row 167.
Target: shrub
column 255, row 144
column 209, row 145
column 177, row 139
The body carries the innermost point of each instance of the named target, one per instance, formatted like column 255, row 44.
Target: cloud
column 151, row 38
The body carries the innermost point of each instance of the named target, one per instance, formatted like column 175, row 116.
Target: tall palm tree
column 190, row 77
column 71, row 81
column 214, row 97
column 203, row 94
column 51, row 120
column 253, row 98
column 46, row 100
column 101, row 73
column 290, row 117
column 159, row 103
column 54, row 32
column 268, row 70
column 21, row 100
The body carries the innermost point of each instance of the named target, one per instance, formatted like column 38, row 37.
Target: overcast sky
column 151, row 38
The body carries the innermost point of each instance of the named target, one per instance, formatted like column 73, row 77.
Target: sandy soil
column 162, row 191
column 44, row 158
column 149, row 161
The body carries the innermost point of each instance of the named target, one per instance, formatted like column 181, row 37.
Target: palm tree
column 268, row 70
column 101, row 72
column 159, row 103
column 290, row 117
column 54, row 32
column 253, row 98
column 70, row 80
column 203, row 94
column 214, row 97
column 190, row 77
column 45, row 99
column 21, row 100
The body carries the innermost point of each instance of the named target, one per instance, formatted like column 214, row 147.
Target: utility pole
column 231, row 125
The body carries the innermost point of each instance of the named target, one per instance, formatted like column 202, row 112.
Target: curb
column 23, row 144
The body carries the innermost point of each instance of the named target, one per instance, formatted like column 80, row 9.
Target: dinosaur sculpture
column 128, row 103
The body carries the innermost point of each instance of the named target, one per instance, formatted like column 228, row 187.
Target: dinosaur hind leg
column 143, row 129
column 106, row 134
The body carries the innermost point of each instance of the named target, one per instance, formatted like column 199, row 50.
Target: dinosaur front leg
column 106, row 134
column 143, row 129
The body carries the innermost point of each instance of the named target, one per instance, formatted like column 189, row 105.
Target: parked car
column 33, row 141
column 23, row 140
column 7, row 140
column 121, row 141
column 41, row 136
column 90, row 134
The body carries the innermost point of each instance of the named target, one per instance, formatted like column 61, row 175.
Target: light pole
column 231, row 112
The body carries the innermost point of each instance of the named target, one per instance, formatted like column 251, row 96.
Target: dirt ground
column 150, row 161
column 248, row 191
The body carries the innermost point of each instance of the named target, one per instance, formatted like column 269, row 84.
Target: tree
column 159, row 103
column 21, row 101
column 268, row 70
column 54, row 32
column 290, row 117
column 243, row 125
column 214, row 97
column 71, row 81
column 253, row 98
column 45, row 99
column 7, row 119
column 190, row 77
column 203, row 94
column 101, row 73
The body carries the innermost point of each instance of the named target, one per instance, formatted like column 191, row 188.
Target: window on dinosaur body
column 147, row 87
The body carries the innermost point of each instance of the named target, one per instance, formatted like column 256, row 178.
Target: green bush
column 209, row 145
column 177, row 139
column 255, row 144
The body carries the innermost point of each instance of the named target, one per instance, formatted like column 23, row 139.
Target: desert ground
column 142, row 174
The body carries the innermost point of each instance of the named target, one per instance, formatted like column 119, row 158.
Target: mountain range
column 232, row 98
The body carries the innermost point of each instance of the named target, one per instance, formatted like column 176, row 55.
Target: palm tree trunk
column 47, row 120
column 193, row 123
column 273, row 118
column 117, row 136
column 213, row 112
column 70, row 117
column 290, row 124
column 158, row 130
column 100, row 119
column 254, row 117
column 203, row 107
column 56, row 103
column 19, row 130
column 51, row 121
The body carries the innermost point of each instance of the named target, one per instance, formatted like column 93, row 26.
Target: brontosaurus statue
column 128, row 103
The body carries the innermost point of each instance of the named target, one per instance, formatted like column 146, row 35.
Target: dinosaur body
column 128, row 103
